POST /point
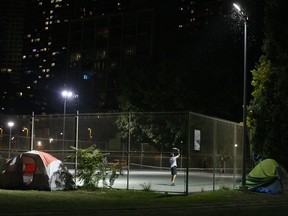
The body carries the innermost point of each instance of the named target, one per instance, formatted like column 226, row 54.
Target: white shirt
column 173, row 161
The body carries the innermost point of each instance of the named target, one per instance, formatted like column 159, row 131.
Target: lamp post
column 66, row 95
column 10, row 125
column 245, row 18
column 26, row 131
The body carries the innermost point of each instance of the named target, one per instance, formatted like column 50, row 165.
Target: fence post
column 32, row 131
column 128, row 149
column 188, row 155
column 76, row 143
column 214, row 151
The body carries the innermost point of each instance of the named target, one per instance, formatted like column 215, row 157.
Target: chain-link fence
column 139, row 144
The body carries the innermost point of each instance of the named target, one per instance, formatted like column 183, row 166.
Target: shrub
column 91, row 167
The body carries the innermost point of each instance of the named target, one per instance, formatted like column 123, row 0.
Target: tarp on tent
column 267, row 176
column 35, row 170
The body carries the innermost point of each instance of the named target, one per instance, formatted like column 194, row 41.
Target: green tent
column 267, row 176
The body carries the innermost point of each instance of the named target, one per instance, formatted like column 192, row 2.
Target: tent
column 35, row 170
column 267, row 176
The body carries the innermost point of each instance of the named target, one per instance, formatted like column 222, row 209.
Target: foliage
column 146, row 187
column 268, row 110
column 163, row 130
column 92, row 167
column 181, row 79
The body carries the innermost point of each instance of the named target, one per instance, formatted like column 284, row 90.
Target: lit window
column 103, row 33
column 113, row 64
column 53, row 64
column 46, row 28
column 49, row 43
column 101, row 54
column 75, row 57
column 129, row 51
column 51, row 11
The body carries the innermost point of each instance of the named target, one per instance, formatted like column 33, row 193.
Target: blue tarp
column 267, row 177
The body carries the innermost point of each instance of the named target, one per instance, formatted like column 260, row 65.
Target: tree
column 162, row 131
column 268, row 109
column 193, row 75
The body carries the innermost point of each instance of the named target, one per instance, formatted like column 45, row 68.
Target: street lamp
column 245, row 18
column 66, row 95
column 26, row 130
column 10, row 125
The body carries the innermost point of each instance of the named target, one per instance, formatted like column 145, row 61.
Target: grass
column 123, row 202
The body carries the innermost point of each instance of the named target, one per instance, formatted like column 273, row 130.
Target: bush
column 91, row 167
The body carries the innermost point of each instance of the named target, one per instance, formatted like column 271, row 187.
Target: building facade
column 68, row 39
column 11, row 46
column 100, row 48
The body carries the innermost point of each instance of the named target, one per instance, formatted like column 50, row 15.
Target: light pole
column 66, row 95
column 10, row 125
column 245, row 18
column 26, row 131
